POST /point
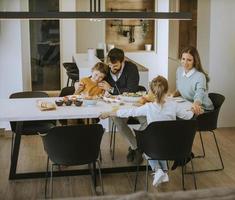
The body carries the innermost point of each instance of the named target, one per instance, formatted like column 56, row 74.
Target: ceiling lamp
column 96, row 13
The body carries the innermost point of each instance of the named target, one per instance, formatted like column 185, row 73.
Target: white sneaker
column 165, row 178
column 157, row 178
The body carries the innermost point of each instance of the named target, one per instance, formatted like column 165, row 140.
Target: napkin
column 45, row 105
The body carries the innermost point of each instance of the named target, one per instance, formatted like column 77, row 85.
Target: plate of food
column 111, row 99
column 131, row 97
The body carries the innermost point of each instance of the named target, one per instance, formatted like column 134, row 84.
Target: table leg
column 16, row 149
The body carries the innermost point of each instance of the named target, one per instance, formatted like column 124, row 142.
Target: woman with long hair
column 192, row 81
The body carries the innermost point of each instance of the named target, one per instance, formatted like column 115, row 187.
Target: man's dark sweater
column 127, row 82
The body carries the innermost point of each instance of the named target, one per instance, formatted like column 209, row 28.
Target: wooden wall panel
column 113, row 36
column 188, row 29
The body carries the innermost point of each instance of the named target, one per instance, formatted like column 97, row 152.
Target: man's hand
column 104, row 85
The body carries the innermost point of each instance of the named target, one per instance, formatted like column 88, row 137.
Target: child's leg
column 163, row 165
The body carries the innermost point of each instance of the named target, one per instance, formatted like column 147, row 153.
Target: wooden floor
column 32, row 157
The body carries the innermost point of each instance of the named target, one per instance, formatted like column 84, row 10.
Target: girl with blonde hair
column 160, row 109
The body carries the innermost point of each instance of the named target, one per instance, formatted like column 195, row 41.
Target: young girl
column 160, row 109
column 89, row 85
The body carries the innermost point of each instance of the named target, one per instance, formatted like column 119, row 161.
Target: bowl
column 78, row 103
column 68, row 102
column 59, row 102
column 89, row 102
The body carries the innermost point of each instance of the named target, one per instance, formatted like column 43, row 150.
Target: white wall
column 222, row 59
column 25, row 49
column 10, row 52
column 89, row 33
column 162, row 41
column 67, row 37
column 203, row 31
column 11, row 76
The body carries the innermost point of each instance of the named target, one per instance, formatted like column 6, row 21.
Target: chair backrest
column 217, row 99
column 100, row 54
column 73, row 145
column 71, row 67
column 141, row 88
column 167, row 140
column 208, row 120
column 67, row 91
column 28, row 94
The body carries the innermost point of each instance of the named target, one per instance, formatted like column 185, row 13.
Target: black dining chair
column 167, row 140
column 69, row 90
column 207, row 122
column 31, row 127
column 72, row 72
column 73, row 145
column 130, row 121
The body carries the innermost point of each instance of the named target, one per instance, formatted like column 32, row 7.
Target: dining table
column 27, row 109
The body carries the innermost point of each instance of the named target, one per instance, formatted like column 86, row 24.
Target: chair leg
column 203, row 149
column 93, row 176
column 46, row 177
column 146, row 177
column 136, row 176
column 73, row 82
column 100, row 176
column 111, row 138
column 112, row 141
column 182, row 174
column 194, row 176
column 67, row 82
column 51, row 180
column 12, row 142
column 100, row 156
column 217, row 146
column 220, row 158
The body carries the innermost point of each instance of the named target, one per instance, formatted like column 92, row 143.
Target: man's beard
column 116, row 71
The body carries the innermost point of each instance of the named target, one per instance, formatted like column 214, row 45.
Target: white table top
column 26, row 109
column 82, row 61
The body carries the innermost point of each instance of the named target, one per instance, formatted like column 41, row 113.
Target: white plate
column 129, row 99
column 111, row 100
column 89, row 102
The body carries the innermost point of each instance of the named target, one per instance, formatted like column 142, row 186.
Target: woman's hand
column 197, row 108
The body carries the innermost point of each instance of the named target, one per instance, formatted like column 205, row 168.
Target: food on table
column 59, row 102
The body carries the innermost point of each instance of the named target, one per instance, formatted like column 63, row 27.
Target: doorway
column 45, row 47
